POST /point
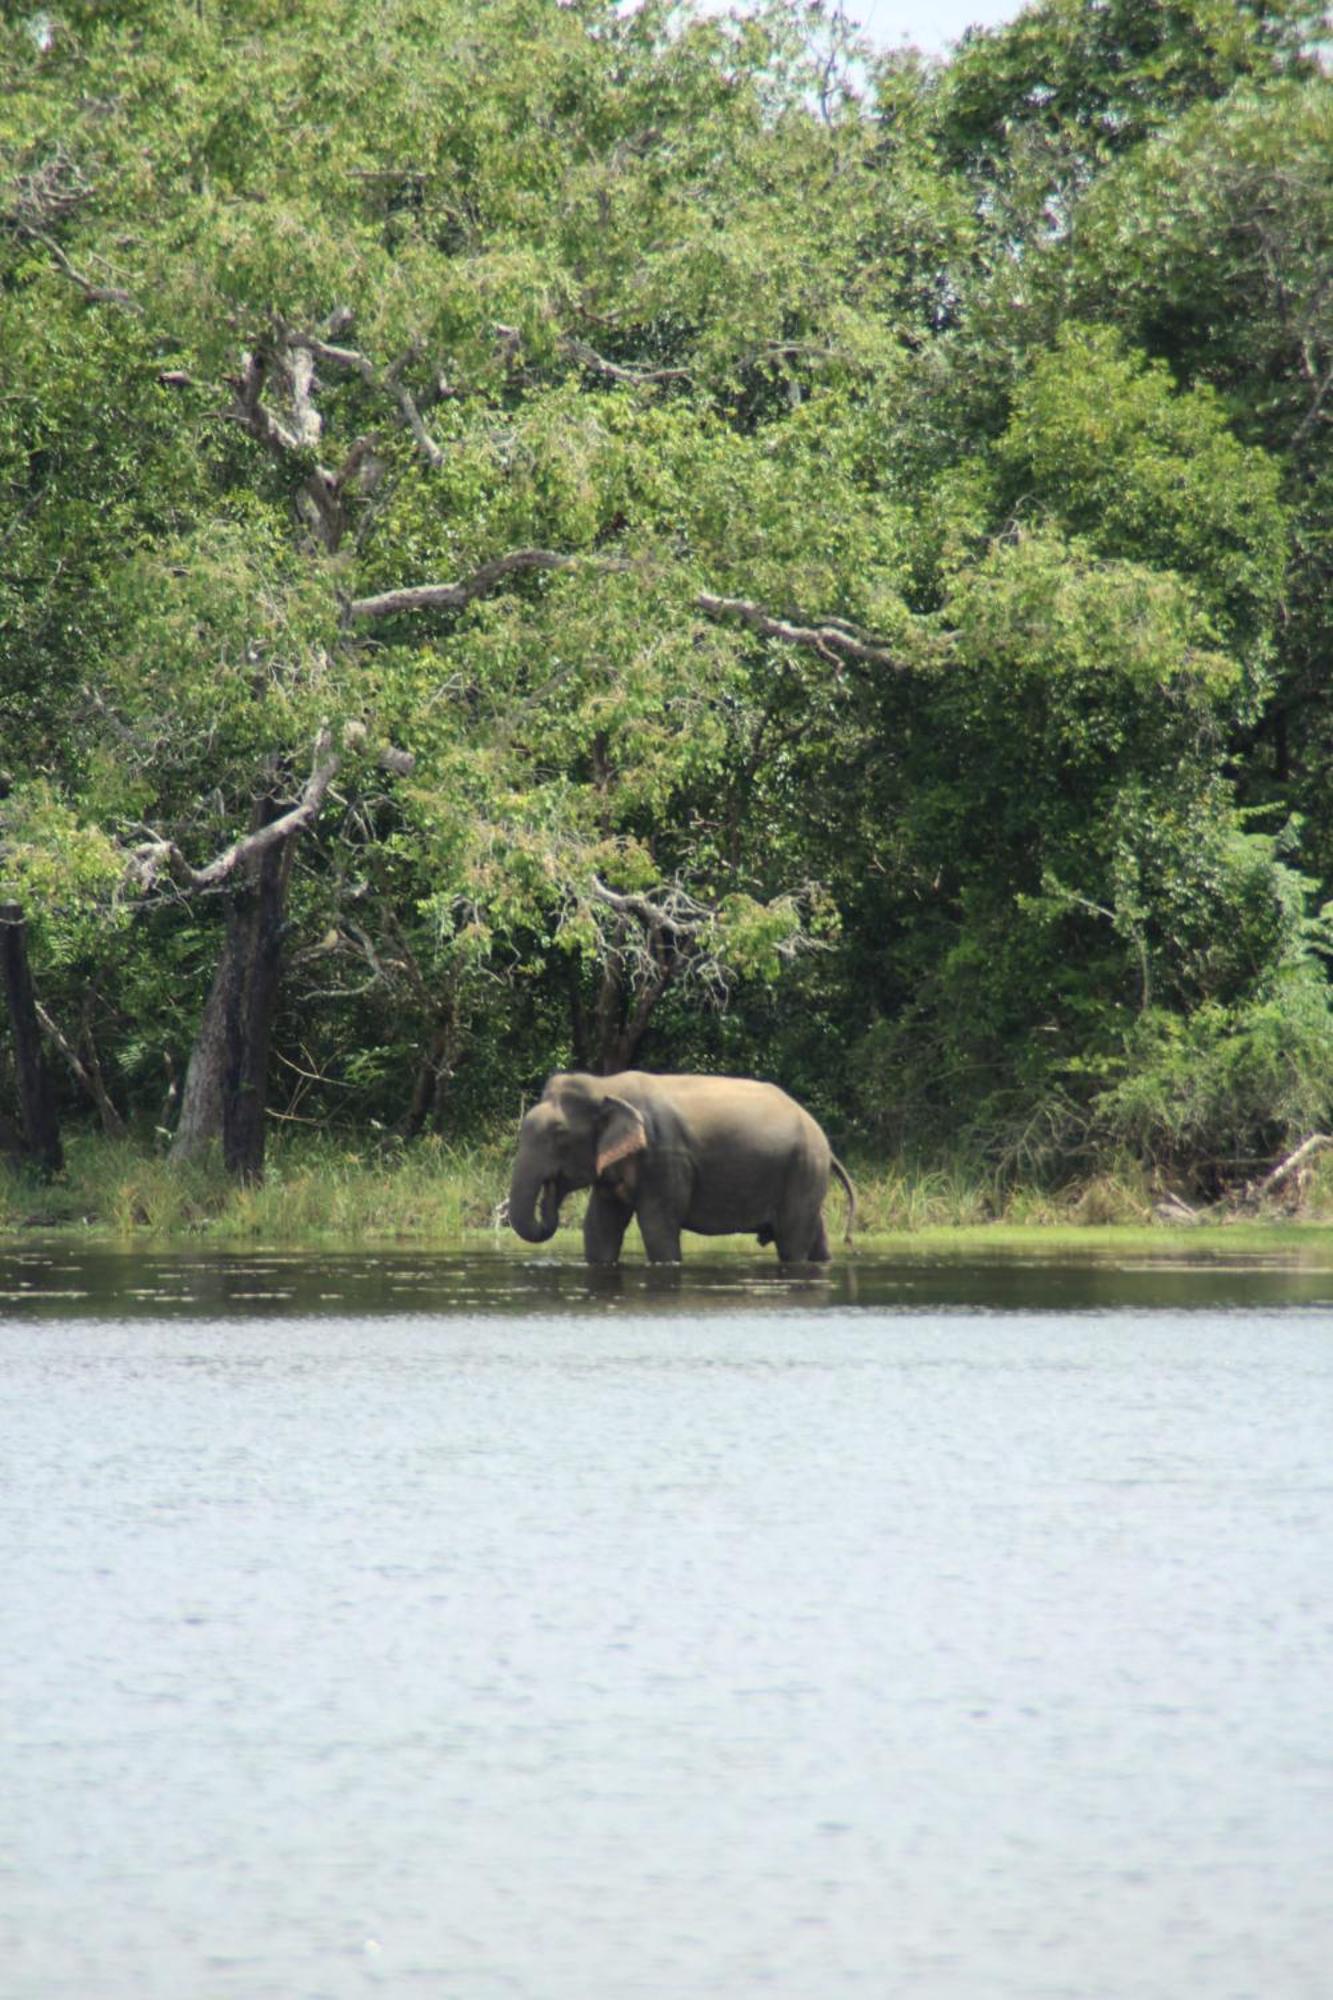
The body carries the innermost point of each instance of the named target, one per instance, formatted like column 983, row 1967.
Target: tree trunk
column 423, row 1094
column 37, row 1109
column 251, row 997
column 428, row 1093
column 623, row 1018
column 11, row 1141
column 226, row 1083
column 578, row 1015
column 607, row 1013
column 200, row 1123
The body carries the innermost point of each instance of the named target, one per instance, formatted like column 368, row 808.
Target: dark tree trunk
column 608, row 1013
column 424, row 1085
column 226, row 1082
column 251, row 997
column 37, row 1109
column 11, row 1141
column 623, row 1019
column 429, row 1093
column 578, row 1017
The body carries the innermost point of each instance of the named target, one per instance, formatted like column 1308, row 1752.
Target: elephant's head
column 577, row 1130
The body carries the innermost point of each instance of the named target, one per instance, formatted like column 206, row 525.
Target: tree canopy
column 676, row 539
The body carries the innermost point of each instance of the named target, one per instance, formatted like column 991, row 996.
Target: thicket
column 539, row 535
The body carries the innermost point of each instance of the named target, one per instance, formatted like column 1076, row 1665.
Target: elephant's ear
column 620, row 1132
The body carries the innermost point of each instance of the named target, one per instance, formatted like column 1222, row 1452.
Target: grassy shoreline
column 435, row 1195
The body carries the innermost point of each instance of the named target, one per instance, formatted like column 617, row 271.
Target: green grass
column 320, row 1193
column 334, row 1191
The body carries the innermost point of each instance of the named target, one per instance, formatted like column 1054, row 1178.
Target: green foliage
column 1211, row 1097
column 1102, row 443
column 1065, row 87
column 64, row 871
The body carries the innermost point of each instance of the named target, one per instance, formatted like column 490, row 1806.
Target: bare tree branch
column 634, row 378
column 157, row 857
column 110, row 295
column 675, row 910
column 1285, row 1168
column 35, row 202
column 249, row 410
column 85, row 1074
column 421, row 437
column 453, row 596
column 391, row 383
column 331, row 355
column 47, row 192
column 292, row 365
column 154, row 858
column 834, row 639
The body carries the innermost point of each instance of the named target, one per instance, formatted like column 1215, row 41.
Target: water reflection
column 36, row 1282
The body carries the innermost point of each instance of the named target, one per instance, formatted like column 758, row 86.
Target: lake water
column 491, row 1630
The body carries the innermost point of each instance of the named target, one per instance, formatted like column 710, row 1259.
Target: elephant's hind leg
column 802, row 1238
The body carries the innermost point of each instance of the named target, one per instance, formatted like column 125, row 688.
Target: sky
column 931, row 24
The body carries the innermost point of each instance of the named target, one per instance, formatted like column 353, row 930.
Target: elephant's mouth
column 548, row 1208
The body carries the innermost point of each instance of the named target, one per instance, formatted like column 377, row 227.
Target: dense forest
column 539, row 535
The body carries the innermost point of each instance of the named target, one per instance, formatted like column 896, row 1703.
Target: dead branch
column 291, row 366
column 390, row 382
column 1260, row 1190
column 633, row 378
column 155, row 858
column 453, row 596
column 674, row 910
column 248, row 409
column 835, row 639
column 109, row 295
column 85, row 1075
column 46, row 194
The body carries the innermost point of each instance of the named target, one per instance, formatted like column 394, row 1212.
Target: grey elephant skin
column 718, row 1155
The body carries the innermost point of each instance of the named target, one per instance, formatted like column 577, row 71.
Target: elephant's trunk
column 533, row 1222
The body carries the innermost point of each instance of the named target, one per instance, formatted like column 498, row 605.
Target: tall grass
column 320, row 1192
column 897, row 1198
column 435, row 1193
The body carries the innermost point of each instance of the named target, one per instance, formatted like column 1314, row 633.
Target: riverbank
column 435, row 1194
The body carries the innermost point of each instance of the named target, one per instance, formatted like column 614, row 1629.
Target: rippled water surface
column 474, row 1628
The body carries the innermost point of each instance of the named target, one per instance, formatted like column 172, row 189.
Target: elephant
column 713, row 1154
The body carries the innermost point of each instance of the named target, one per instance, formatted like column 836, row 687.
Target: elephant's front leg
column 660, row 1230
column 604, row 1227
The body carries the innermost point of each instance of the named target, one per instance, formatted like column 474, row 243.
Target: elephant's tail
column 842, row 1174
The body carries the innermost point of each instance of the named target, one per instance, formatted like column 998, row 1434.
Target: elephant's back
column 715, row 1109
